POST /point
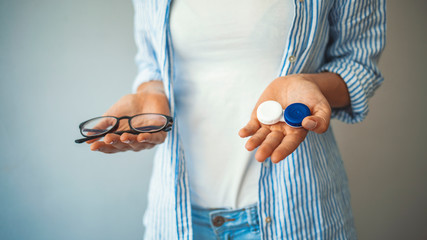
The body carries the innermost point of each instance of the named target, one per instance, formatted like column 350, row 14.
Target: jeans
column 227, row 224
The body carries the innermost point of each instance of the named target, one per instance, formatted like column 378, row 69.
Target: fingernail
column 112, row 142
column 143, row 140
column 311, row 124
column 126, row 141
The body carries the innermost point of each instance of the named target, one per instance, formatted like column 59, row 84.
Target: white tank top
column 226, row 53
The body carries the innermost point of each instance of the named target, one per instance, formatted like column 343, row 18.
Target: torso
column 226, row 53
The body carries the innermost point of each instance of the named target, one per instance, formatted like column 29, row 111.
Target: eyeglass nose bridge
column 123, row 118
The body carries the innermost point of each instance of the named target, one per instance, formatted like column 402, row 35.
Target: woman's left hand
column 280, row 140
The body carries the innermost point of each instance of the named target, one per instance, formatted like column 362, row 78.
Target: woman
column 209, row 64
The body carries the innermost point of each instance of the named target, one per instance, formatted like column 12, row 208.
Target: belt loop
column 252, row 213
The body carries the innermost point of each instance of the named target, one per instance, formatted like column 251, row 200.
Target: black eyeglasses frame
column 166, row 128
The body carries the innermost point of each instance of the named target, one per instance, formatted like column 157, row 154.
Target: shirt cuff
column 145, row 76
column 361, row 85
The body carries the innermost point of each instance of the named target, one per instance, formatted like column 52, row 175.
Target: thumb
column 319, row 121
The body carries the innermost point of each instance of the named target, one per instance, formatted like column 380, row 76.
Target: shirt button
column 292, row 59
column 268, row 219
column 218, row 221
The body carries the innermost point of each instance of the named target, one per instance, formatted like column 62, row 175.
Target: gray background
column 64, row 61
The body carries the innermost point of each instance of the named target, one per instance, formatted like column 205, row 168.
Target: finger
column 154, row 138
column 128, row 138
column 147, row 140
column 103, row 147
column 250, row 128
column 111, row 138
column 131, row 141
column 257, row 138
column 115, row 141
column 287, row 146
column 319, row 121
column 136, row 146
column 118, row 146
column 269, row 145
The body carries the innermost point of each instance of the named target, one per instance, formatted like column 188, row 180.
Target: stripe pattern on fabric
column 306, row 195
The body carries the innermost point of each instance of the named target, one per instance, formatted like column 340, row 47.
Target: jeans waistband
column 223, row 219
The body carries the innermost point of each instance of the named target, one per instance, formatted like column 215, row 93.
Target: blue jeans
column 222, row 223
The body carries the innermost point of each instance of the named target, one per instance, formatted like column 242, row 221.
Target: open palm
column 130, row 105
column 279, row 140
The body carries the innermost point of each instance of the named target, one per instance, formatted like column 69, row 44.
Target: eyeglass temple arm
column 82, row 140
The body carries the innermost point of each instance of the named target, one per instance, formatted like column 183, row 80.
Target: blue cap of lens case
column 295, row 113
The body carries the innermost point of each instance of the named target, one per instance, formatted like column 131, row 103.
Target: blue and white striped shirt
column 305, row 196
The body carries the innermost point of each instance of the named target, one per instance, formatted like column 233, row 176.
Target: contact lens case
column 271, row 112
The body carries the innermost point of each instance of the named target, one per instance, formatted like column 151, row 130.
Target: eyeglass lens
column 98, row 126
column 148, row 122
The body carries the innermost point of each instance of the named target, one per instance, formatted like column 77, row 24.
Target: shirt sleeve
column 145, row 59
column 357, row 38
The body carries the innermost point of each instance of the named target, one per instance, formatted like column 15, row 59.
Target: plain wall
column 62, row 62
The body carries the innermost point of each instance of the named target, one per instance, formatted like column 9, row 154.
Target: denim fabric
column 227, row 224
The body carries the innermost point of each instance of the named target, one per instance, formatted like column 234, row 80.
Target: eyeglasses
column 141, row 123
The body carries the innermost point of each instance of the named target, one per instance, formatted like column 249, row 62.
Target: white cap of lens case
column 271, row 112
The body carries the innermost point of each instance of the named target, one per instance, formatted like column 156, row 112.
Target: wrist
column 332, row 86
column 309, row 77
column 151, row 87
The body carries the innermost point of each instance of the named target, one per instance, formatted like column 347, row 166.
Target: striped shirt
column 306, row 195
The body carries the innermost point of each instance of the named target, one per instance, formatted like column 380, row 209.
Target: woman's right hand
column 150, row 98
